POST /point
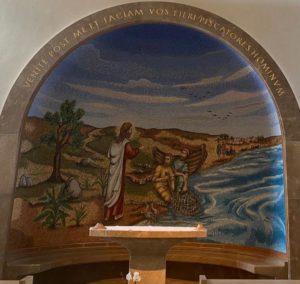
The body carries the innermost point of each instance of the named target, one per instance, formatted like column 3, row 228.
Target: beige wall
column 26, row 25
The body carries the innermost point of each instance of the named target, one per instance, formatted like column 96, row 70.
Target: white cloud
column 218, row 79
column 239, row 74
column 134, row 97
column 201, row 83
column 141, row 83
column 92, row 106
column 242, row 109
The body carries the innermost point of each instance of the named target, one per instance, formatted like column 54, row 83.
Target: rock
column 28, row 181
column 97, row 157
column 25, row 181
column 17, row 209
column 87, row 162
column 26, row 146
column 74, row 187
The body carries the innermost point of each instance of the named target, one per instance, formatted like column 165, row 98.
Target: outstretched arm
column 131, row 152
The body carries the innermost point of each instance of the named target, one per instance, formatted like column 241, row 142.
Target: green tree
column 65, row 130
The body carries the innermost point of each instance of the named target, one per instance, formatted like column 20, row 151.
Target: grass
column 68, row 164
column 141, row 192
column 44, row 155
column 35, row 191
column 41, row 154
column 101, row 144
column 78, row 152
column 142, row 158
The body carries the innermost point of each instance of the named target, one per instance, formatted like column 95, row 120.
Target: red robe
column 117, row 208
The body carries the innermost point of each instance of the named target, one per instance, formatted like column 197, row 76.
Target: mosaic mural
column 151, row 124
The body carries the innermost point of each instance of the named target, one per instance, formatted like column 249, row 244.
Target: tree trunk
column 56, row 176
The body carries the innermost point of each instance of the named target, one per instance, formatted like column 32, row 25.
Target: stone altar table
column 148, row 246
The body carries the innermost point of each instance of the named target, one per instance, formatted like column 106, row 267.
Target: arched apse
column 34, row 78
column 186, row 94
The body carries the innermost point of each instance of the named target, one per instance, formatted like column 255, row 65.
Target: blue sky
column 161, row 76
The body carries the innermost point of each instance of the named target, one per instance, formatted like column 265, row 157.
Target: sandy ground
column 27, row 233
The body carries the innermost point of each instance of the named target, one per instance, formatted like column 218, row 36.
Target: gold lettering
column 272, row 77
column 119, row 16
column 266, row 68
column 61, row 45
column 202, row 19
column 94, row 25
column 151, row 11
column 182, row 14
column 138, row 12
column 276, row 83
column 27, row 84
column 260, row 60
column 243, row 44
column 233, row 35
column 77, row 34
column 112, row 18
column 51, row 53
column 35, row 72
column 44, row 61
column 216, row 26
column 210, row 22
column 192, row 16
column 280, row 91
column 239, row 41
column 224, row 31
column 57, row 48
column 254, row 54
column 161, row 11
column 130, row 14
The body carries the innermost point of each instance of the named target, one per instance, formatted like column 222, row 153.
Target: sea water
column 242, row 201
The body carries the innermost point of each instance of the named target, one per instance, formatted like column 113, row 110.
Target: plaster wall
column 27, row 26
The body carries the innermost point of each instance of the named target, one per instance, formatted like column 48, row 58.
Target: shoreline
column 221, row 162
column 144, row 178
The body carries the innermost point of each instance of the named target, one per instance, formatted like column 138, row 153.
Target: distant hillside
column 35, row 127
